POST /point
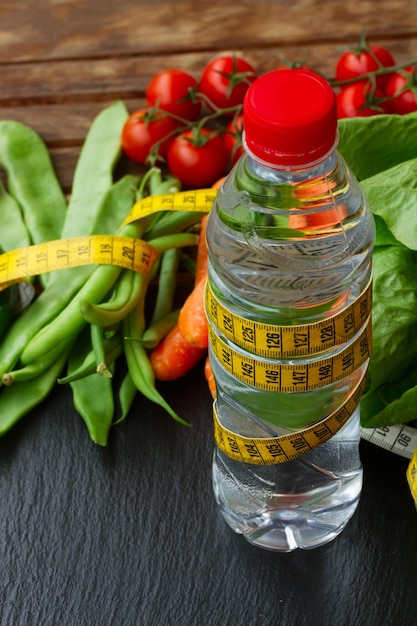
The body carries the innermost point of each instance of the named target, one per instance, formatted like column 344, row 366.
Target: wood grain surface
column 62, row 61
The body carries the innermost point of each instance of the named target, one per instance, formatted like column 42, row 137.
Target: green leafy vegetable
column 383, row 153
column 373, row 144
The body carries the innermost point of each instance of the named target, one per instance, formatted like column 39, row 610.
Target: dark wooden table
column 129, row 535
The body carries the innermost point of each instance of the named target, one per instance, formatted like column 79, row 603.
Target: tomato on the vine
column 146, row 130
column 363, row 59
column 225, row 81
column 173, row 90
column 233, row 138
column 197, row 157
column 402, row 89
column 360, row 100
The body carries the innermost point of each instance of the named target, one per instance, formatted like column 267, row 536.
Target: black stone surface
column 129, row 534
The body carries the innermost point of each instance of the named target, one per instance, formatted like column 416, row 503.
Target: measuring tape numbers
column 17, row 265
column 274, row 341
column 275, row 450
column 292, row 377
column 196, row 200
column 399, row 438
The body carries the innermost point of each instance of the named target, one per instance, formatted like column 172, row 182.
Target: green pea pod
column 32, row 181
column 127, row 293
column 171, row 223
column 127, row 393
column 13, row 230
column 139, row 365
column 35, row 368
column 92, row 395
column 64, row 284
column 18, row 400
column 70, row 322
column 93, row 174
column 93, row 399
column 97, row 341
column 166, row 284
column 154, row 334
column 113, row 349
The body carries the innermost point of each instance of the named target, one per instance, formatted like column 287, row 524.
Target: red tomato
column 173, row 91
column 401, row 88
column 225, row 80
column 233, row 139
column 355, row 63
column 358, row 100
column 143, row 130
column 197, row 159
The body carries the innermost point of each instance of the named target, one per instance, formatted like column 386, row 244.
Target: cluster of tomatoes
column 370, row 83
column 195, row 126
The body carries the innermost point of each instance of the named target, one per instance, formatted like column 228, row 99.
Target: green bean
column 154, row 334
column 93, row 399
column 189, row 264
column 173, row 222
column 69, row 322
column 17, row 400
column 97, row 341
column 166, row 284
column 139, row 365
column 32, row 181
column 13, row 231
column 127, row 393
column 160, row 185
column 64, row 284
column 178, row 240
column 40, row 312
column 127, row 293
column 35, row 368
column 113, row 348
column 93, row 173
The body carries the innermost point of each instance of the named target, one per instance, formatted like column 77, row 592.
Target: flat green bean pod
column 92, row 396
column 18, row 400
column 32, row 181
column 13, row 231
column 93, row 174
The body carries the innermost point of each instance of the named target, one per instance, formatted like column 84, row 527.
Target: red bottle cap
column 290, row 117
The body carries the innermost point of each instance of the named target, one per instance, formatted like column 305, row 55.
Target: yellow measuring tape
column 126, row 252
column 275, row 450
column 412, row 475
column 273, row 341
column 197, row 200
column 292, row 377
column 135, row 254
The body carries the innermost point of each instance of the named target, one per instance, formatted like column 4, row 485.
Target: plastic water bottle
column 290, row 239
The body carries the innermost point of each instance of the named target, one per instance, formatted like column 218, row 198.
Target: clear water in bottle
column 289, row 245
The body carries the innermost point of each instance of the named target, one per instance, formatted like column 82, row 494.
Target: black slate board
column 129, row 535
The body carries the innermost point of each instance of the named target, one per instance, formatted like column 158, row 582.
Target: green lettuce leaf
column 394, row 323
column 392, row 195
column 373, row 144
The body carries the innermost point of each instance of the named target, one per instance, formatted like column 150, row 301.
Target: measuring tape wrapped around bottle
column 263, row 342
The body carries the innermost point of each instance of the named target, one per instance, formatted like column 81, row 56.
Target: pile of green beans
column 87, row 322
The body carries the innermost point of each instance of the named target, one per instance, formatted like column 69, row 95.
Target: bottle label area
column 275, row 450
